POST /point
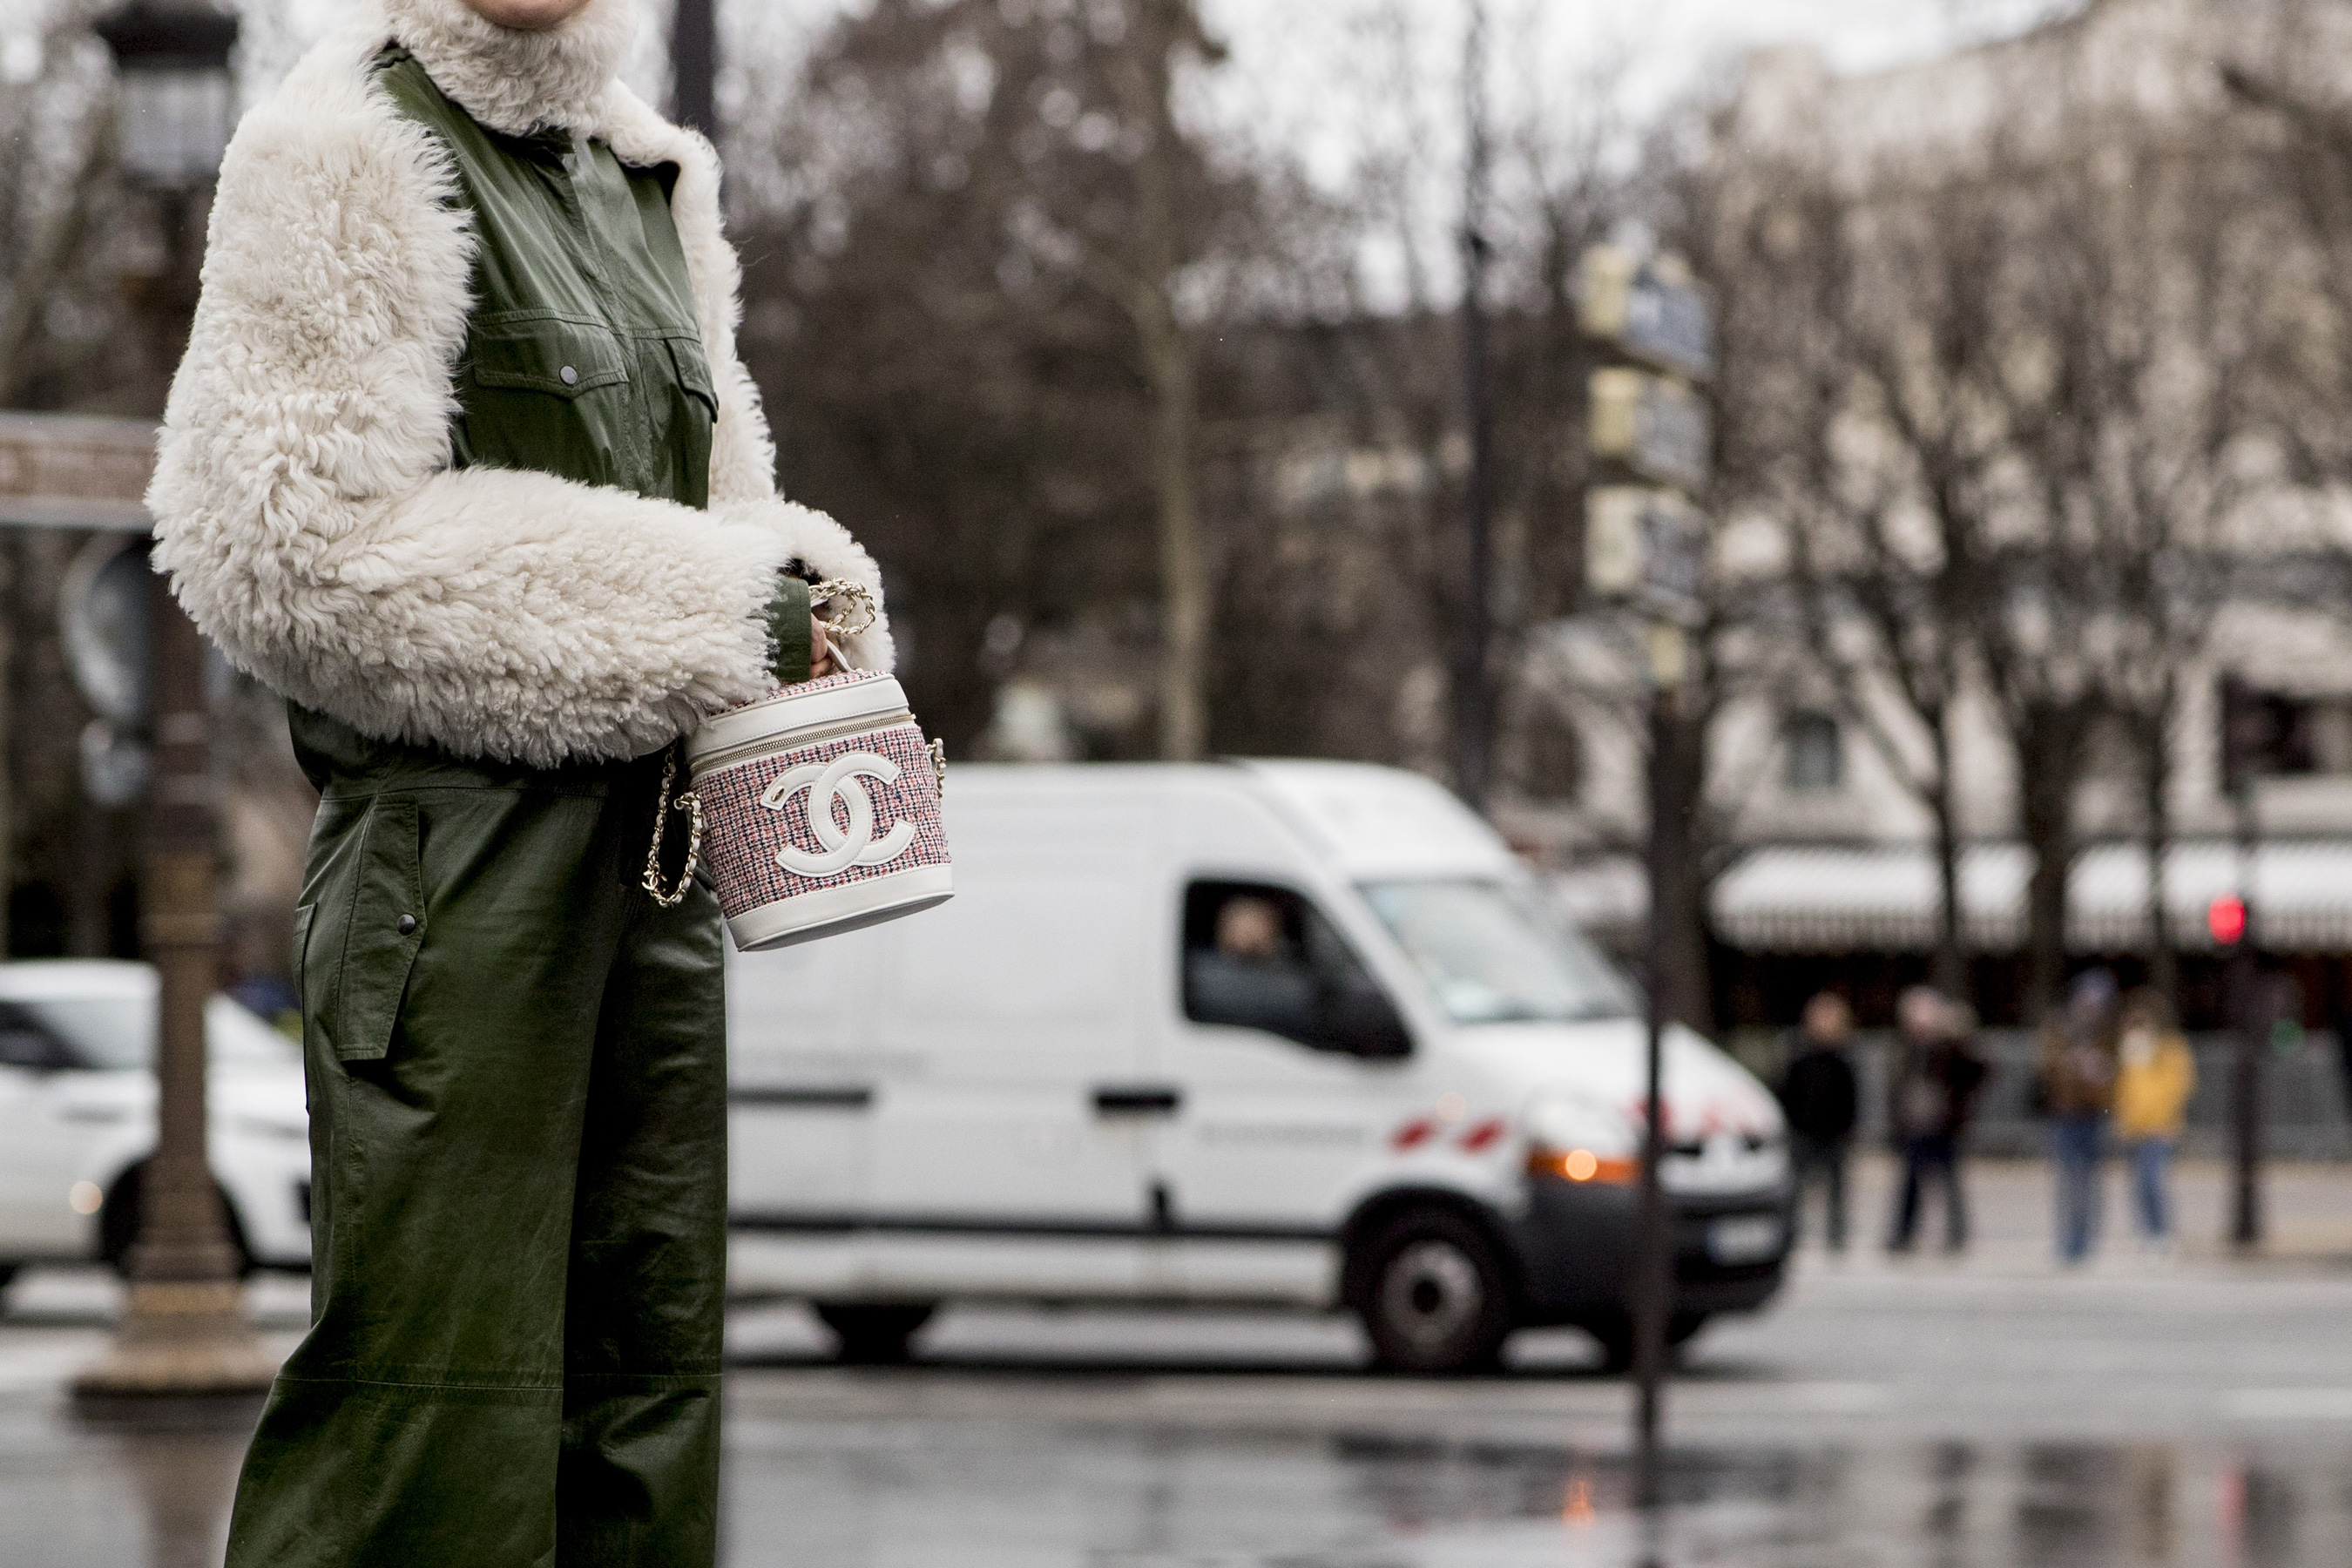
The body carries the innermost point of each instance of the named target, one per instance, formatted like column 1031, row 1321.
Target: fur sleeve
column 310, row 522
column 742, row 457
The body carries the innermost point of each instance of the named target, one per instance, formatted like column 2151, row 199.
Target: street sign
column 1648, row 547
column 1649, row 309
column 1657, row 430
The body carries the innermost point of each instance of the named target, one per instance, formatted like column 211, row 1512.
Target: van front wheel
column 873, row 1334
column 1434, row 1297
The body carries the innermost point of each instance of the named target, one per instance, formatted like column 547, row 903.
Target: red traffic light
column 2225, row 917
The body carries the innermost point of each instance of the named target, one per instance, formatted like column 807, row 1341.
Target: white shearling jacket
column 306, row 505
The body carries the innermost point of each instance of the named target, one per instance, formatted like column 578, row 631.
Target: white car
column 77, row 1116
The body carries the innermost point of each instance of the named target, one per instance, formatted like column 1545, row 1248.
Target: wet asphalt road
column 1994, row 1410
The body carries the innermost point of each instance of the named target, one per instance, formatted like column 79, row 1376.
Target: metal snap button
column 405, row 924
column 570, row 376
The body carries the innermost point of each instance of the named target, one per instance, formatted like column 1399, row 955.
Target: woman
column 2154, row 1076
column 2077, row 1085
column 463, row 462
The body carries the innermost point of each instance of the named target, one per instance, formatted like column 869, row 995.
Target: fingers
column 820, row 660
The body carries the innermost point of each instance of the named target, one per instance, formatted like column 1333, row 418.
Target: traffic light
column 2225, row 917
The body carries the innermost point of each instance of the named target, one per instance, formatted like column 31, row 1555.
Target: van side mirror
column 1360, row 1019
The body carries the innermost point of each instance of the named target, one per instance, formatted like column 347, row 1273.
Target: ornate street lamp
column 176, row 92
column 184, row 1328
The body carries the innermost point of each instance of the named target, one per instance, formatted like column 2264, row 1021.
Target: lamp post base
column 181, row 1337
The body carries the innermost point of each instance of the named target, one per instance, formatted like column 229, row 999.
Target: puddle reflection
column 886, row 1494
column 906, row 1492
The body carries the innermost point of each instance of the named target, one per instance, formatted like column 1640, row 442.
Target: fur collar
column 517, row 82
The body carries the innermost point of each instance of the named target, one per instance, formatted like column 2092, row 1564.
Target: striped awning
column 1884, row 898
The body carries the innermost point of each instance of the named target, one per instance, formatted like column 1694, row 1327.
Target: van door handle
column 1137, row 1099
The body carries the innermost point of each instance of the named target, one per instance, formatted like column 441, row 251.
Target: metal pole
column 1653, row 1254
column 1472, row 697
column 184, row 1330
column 694, row 66
column 2253, row 1039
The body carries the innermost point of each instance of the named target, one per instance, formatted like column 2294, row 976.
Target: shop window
column 1812, row 753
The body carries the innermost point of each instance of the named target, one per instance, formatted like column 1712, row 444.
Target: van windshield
column 1492, row 953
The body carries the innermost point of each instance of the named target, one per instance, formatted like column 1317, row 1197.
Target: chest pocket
column 550, row 392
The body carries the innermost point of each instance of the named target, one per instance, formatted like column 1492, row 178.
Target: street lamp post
column 1646, row 549
column 183, row 1329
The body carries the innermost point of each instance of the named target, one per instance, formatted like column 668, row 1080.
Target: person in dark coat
column 1818, row 1097
column 1936, row 1075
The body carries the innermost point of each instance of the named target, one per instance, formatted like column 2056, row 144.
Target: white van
column 1297, row 1035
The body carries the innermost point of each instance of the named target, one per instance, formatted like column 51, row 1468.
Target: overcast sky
column 1289, row 45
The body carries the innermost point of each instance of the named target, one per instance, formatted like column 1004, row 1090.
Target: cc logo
column 828, row 784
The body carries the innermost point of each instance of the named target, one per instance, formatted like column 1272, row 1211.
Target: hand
column 820, row 660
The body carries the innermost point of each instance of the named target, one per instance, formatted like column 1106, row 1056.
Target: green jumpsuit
column 516, row 1056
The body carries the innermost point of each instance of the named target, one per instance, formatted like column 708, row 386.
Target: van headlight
column 1581, row 1140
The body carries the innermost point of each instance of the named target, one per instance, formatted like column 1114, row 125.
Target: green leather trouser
column 519, row 1150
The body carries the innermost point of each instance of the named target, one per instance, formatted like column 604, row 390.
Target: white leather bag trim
column 788, row 713
column 829, row 911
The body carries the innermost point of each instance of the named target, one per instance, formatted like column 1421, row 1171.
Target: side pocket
column 302, row 915
column 382, row 933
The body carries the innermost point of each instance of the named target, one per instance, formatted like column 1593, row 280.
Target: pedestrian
column 2154, row 1076
column 463, row 462
column 1935, row 1083
column 2075, row 1087
column 1818, row 1098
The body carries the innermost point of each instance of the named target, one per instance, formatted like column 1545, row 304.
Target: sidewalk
column 2012, row 1206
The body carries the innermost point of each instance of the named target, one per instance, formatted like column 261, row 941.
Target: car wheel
column 1432, row 1294
column 117, row 1225
column 873, row 1334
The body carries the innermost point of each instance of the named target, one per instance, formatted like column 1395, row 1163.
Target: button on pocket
column 544, row 353
column 404, row 925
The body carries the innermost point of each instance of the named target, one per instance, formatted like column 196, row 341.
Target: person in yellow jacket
column 2154, row 1076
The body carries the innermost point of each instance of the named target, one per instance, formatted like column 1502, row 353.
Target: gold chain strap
column 857, row 617
column 692, row 803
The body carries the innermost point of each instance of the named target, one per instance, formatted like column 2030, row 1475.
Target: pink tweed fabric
column 741, row 835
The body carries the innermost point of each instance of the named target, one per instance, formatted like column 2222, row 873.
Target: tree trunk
column 1183, row 573
column 2156, row 839
column 1169, row 370
column 1949, row 972
column 2049, row 747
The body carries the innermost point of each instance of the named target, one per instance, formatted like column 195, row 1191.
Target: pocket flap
column 382, row 935
column 545, row 353
column 694, row 370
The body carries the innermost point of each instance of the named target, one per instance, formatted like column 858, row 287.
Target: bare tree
column 1828, row 427
column 2156, row 285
